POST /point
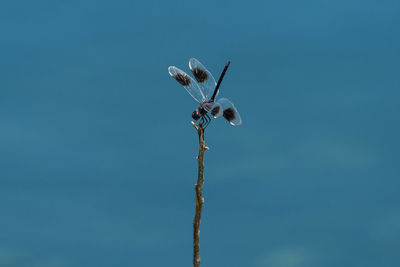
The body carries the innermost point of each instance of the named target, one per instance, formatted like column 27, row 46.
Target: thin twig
column 199, row 195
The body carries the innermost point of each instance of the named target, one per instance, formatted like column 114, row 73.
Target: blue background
column 97, row 154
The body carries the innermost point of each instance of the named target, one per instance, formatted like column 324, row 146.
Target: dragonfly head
column 196, row 115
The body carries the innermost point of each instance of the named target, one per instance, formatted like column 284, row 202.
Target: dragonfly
column 204, row 90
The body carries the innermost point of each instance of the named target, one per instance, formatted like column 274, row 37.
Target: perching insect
column 204, row 90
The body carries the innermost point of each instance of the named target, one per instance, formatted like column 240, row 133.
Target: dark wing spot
column 199, row 74
column 215, row 111
column 182, row 79
column 229, row 114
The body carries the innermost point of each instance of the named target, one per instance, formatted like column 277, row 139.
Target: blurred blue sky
column 97, row 159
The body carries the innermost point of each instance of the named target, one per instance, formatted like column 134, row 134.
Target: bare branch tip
column 194, row 125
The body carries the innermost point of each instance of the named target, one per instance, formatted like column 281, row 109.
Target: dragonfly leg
column 201, row 120
column 208, row 119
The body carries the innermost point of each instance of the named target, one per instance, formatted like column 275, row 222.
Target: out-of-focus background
column 97, row 154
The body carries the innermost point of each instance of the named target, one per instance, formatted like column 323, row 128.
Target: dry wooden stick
column 199, row 195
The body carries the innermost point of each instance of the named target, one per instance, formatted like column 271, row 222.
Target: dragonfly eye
column 196, row 115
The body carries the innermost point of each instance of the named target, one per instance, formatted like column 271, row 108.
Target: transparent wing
column 214, row 108
column 203, row 77
column 187, row 82
column 229, row 112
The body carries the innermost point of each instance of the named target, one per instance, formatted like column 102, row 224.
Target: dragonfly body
column 204, row 90
column 203, row 107
column 201, row 111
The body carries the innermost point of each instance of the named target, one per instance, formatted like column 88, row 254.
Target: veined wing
column 229, row 112
column 214, row 108
column 187, row 82
column 203, row 77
